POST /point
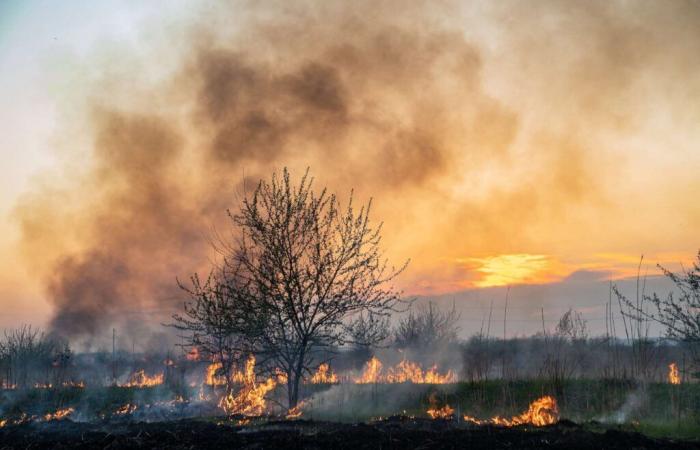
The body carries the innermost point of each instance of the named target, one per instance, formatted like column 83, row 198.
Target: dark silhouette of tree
column 297, row 279
column 678, row 312
column 214, row 322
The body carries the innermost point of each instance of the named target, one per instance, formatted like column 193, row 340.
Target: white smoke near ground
column 634, row 402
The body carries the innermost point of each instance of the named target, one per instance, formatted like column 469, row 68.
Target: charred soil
column 391, row 433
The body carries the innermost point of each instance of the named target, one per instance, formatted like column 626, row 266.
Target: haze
column 542, row 145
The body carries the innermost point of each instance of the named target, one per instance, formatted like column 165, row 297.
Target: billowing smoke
column 387, row 97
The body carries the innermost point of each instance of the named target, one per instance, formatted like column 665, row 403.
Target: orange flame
column 125, row 409
column 141, row 379
column 296, row 412
column 22, row 419
column 372, row 372
column 673, row 375
column 324, row 375
column 58, row 415
column 250, row 399
column 543, row 411
column 212, row 378
column 441, row 413
column 404, row 372
column 280, row 376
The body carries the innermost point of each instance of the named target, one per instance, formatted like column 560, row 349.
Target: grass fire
column 290, row 349
column 350, row 224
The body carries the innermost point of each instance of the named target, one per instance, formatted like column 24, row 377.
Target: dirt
column 391, row 433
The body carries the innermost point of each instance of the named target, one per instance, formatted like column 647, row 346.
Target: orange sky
column 502, row 142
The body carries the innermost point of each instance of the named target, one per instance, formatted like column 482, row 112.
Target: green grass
column 685, row 429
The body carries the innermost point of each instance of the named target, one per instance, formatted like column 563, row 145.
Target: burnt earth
column 392, row 433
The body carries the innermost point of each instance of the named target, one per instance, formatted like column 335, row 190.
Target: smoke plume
column 404, row 102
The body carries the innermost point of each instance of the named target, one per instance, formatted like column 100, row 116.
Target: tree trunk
column 295, row 380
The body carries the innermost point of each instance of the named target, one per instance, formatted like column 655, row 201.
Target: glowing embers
column 125, row 410
column 65, row 384
column 404, row 372
column 543, row 411
column 59, row 414
column 324, row 375
column 673, row 375
column 296, row 412
column 446, row 412
column 141, row 379
column 250, row 398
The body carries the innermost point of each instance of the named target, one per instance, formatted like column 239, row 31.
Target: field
column 592, row 414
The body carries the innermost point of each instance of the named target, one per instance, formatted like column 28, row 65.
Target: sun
column 518, row 268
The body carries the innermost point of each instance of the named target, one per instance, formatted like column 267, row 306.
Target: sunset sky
column 503, row 142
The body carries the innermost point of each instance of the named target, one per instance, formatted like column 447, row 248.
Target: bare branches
column 427, row 327
column 300, row 278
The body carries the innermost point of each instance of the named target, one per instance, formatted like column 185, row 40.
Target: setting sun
column 520, row 268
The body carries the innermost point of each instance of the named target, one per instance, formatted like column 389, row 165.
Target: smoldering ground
column 393, row 99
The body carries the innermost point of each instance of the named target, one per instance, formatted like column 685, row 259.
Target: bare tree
column 561, row 358
column 427, row 326
column 309, row 268
column 678, row 312
column 368, row 330
column 636, row 321
column 27, row 356
column 213, row 321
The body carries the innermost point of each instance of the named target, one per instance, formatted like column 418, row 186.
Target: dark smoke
column 385, row 97
column 359, row 101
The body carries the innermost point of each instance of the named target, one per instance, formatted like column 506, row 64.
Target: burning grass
column 673, row 376
column 324, row 375
column 249, row 400
column 392, row 432
column 404, row 372
column 252, row 396
column 141, row 379
column 541, row 412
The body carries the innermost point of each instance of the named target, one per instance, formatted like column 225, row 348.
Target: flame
column 372, row 371
column 250, row 399
column 543, row 411
column 58, row 415
column 212, row 378
column 22, row 419
column 141, row 379
column 125, row 409
column 404, row 372
column 445, row 412
column 673, row 376
column 280, row 376
column 296, row 412
column 324, row 375
column 43, row 385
